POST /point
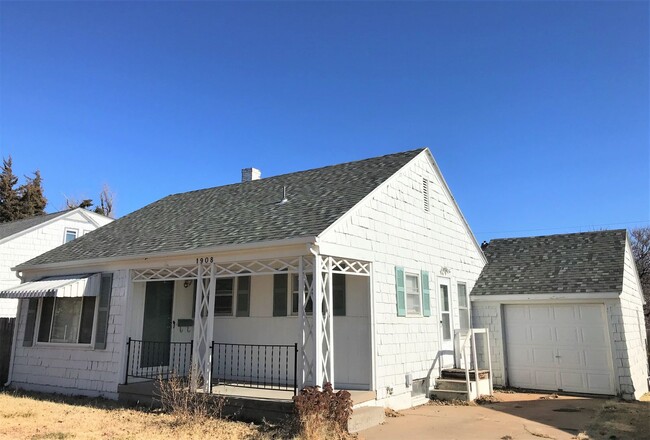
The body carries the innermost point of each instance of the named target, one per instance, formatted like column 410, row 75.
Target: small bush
column 186, row 404
column 323, row 414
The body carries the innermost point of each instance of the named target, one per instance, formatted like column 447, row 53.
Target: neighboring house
column 22, row 240
column 364, row 266
column 565, row 313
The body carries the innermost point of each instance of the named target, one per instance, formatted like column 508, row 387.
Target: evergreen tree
column 9, row 200
column 32, row 201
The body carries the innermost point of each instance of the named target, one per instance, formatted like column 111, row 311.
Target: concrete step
column 453, row 385
column 366, row 417
column 448, row 395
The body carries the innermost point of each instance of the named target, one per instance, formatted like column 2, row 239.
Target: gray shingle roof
column 10, row 228
column 235, row 214
column 566, row 263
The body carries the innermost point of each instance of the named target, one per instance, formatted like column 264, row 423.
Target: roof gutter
column 553, row 296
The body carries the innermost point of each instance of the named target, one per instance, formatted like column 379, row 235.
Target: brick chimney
column 248, row 174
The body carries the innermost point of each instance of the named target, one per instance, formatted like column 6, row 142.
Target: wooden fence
column 6, row 338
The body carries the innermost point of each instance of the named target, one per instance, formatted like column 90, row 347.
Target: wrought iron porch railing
column 259, row 366
column 156, row 359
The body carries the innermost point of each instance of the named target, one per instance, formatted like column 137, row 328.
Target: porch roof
column 237, row 214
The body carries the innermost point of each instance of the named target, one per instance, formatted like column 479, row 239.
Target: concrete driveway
column 519, row 416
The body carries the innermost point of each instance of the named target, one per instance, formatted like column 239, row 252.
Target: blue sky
column 537, row 112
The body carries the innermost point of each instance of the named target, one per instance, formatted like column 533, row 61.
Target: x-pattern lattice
column 353, row 267
column 258, row 267
column 306, row 323
column 203, row 327
column 326, row 320
column 165, row 273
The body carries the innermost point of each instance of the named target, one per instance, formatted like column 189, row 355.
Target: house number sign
column 205, row 260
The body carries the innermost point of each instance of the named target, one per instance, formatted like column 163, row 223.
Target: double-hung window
column 295, row 291
column 413, row 294
column 463, row 306
column 232, row 296
column 67, row 320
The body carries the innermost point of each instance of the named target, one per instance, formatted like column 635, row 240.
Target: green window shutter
column 243, row 296
column 401, row 296
column 28, row 340
column 426, row 304
column 101, row 331
column 280, row 282
column 338, row 294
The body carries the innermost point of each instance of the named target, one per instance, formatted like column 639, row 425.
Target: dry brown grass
column 621, row 420
column 32, row 416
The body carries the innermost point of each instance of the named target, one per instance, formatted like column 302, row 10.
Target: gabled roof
column 242, row 213
column 11, row 228
column 587, row 262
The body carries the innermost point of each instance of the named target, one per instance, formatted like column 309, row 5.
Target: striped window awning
column 60, row 287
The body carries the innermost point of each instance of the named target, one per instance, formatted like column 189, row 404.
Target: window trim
column 37, row 327
column 419, row 294
column 65, row 234
column 292, row 291
column 234, row 294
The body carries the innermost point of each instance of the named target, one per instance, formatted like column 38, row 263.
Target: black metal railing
column 255, row 365
column 156, row 359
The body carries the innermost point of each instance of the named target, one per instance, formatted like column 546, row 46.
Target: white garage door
column 559, row 347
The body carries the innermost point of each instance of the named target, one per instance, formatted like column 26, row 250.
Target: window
column 445, row 312
column 295, row 289
column 67, row 320
column 223, row 300
column 70, row 234
column 226, row 302
column 413, row 295
column 463, row 306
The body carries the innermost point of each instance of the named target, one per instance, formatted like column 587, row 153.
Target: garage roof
column 565, row 263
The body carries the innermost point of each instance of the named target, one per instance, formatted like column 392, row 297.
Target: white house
column 565, row 313
column 22, row 240
column 361, row 270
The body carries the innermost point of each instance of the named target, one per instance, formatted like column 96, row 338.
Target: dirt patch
column 58, row 417
column 619, row 420
column 436, row 402
column 487, row 399
column 392, row 413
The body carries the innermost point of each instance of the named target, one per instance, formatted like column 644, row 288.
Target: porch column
column 306, row 364
column 323, row 292
column 201, row 374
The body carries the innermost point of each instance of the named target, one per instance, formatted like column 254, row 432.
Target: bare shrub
column 185, row 404
column 323, row 414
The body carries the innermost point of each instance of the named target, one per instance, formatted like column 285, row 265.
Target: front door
column 157, row 324
column 446, row 325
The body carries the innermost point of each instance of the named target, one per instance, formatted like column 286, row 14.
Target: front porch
column 270, row 325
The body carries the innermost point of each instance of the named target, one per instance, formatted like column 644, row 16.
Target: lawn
column 42, row 416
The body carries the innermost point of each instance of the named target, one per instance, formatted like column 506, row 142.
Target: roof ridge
column 564, row 234
column 293, row 173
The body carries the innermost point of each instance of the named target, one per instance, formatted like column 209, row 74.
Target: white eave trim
column 184, row 253
column 40, row 225
column 58, row 287
column 543, row 297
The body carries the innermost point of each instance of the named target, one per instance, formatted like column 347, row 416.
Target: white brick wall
column 72, row 369
column 392, row 228
column 31, row 244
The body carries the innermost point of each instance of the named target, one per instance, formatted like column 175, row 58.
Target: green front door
column 157, row 324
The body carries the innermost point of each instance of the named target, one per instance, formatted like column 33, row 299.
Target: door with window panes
column 446, row 323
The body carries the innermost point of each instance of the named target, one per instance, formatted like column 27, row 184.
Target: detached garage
column 565, row 313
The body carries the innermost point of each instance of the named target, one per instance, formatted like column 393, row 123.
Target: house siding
column 72, row 369
column 489, row 316
column 391, row 228
column 25, row 246
column 630, row 351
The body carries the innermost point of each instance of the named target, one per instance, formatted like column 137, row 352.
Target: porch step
column 459, row 373
column 453, row 385
column 448, row 395
column 366, row 417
